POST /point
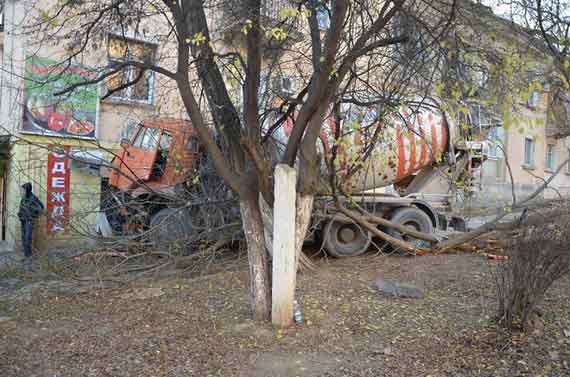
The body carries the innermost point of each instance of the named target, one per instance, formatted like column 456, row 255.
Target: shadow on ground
column 200, row 326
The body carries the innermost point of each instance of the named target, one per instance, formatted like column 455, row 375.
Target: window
column 283, row 86
column 159, row 166
column 494, row 142
column 416, row 47
column 150, row 139
column 481, row 78
column 138, row 140
column 533, row 99
column 323, row 16
column 120, row 50
column 193, row 145
column 165, row 141
column 529, row 152
column 147, row 138
column 129, row 130
column 550, row 157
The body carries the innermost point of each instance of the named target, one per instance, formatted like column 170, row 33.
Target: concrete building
column 525, row 150
column 89, row 132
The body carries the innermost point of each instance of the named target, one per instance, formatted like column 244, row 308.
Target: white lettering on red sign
column 57, row 212
column 58, row 199
column 58, row 182
column 58, row 167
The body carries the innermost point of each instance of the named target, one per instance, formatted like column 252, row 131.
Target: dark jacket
column 30, row 206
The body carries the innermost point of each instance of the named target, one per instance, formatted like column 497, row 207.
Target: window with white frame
column 481, row 77
column 533, row 99
column 283, row 86
column 129, row 129
column 323, row 15
column 416, row 47
column 550, row 157
column 495, row 142
column 130, row 83
column 529, row 147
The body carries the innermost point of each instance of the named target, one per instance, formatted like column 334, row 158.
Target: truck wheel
column 170, row 225
column 343, row 239
column 414, row 218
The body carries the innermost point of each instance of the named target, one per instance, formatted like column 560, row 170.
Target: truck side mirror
column 125, row 143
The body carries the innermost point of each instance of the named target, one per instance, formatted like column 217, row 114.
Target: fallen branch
column 357, row 218
column 399, row 227
column 492, row 225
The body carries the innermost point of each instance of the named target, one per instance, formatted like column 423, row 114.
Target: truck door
column 139, row 157
column 162, row 164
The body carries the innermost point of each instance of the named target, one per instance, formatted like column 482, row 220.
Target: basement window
column 529, row 147
column 550, row 157
column 533, row 100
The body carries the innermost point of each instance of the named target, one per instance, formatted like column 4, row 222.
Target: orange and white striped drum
column 410, row 141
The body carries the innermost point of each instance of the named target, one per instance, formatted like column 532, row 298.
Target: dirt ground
column 200, row 326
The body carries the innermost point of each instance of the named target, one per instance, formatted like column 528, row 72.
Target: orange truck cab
column 158, row 156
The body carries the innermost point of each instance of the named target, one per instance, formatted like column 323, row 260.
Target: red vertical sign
column 58, row 179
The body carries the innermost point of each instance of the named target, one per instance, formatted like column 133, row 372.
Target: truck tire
column 169, row 226
column 414, row 218
column 342, row 239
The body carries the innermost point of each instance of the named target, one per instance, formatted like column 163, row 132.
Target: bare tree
column 345, row 52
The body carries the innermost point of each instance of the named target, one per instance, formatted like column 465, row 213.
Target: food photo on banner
column 71, row 114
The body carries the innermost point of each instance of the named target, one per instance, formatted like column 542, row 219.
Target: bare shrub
column 538, row 257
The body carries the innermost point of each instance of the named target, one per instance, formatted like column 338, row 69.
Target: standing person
column 30, row 209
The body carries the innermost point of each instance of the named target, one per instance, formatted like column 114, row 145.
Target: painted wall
column 29, row 164
column 495, row 182
column 29, row 152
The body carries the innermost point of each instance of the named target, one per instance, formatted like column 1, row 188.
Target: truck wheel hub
column 347, row 234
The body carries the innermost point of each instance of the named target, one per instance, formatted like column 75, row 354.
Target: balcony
column 229, row 22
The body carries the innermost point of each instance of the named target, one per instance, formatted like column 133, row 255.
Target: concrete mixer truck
column 163, row 182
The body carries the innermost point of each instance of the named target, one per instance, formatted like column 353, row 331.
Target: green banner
column 48, row 111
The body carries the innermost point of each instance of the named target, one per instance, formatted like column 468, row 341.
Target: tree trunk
column 258, row 263
column 303, row 220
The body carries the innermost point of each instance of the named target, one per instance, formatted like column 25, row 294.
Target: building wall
column 29, row 164
column 29, row 153
column 494, row 187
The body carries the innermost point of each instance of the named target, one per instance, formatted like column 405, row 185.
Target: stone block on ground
column 397, row 289
column 143, row 293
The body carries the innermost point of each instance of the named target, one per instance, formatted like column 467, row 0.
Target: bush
column 537, row 258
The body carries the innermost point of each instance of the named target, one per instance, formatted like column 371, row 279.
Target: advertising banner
column 72, row 114
column 58, row 183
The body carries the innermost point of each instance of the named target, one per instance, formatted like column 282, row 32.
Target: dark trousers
column 27, row 229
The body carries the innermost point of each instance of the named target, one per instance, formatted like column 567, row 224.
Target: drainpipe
column 11, row 110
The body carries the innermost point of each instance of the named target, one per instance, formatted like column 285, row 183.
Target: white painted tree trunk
column 284, row 264
column 304, row 209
